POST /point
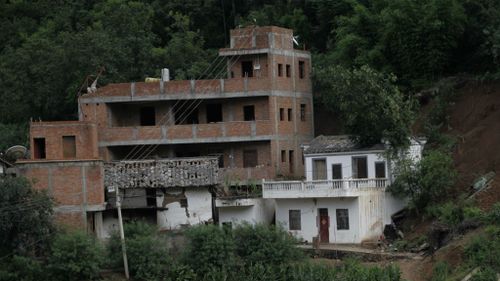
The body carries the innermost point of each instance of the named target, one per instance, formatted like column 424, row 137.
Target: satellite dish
column 16, row 152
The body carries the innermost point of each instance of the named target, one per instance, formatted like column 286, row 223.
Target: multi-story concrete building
column 253, row 120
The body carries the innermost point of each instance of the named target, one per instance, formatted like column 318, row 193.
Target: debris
column 482, row 182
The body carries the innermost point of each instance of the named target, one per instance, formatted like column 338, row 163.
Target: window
column 359, row 168
column 249, row 158
column 282, row 114
column 290, row 160
column 69, row 146
column 183, row 202
column 280, row 69
column 301, row 69
column 342, row 219
column 380, row 169
column 294, row 219
column 184, row 113
column 336, row 171
column 39, row 149
column 148, row 116
column 249, row 113
column 302, row 112
column 283, row 156
column 214, row 112
column 289, row 114
column 150, row 197
column 319, row 169
column 219, row 153
column 288, row 70
column 246, row 69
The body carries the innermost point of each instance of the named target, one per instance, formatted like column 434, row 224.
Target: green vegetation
column 26, row 217
column 424, row 183
column 46, row 53
column 371, row 105
column 74, row 256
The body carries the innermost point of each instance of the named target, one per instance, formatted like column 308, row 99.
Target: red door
column 324, row 226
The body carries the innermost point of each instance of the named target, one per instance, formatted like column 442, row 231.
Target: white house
column 344, row 198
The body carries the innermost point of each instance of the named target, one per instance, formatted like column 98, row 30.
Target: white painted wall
column 345, row 159
column 309, row 212
column 368, row 214
column 199, row 209
column 262, row 211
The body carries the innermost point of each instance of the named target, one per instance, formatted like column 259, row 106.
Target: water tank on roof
column 165, row 75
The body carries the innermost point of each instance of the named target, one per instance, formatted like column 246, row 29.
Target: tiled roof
column 338, row 143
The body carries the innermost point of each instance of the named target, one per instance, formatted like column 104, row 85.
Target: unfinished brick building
column 253, row 122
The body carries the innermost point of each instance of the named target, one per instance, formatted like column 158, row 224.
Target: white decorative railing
column 321, row 187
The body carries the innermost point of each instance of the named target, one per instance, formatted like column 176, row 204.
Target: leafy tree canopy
column 26, row 216
column 369, row 103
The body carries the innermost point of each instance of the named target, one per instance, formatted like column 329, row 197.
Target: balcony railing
column 178, row 172
column 321, row 188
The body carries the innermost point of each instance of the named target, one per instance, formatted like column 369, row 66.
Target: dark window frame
column 290, row 114
column 147, row 116
column 247, row 116
column 288, row 71
column 40, row 148
column 214, row 112
column 342, row 216
column 247, row 68
column 294, row 220
column 315, row 171
column 69, row 152
column 355, row 159
column 249, row 162
column 302, row 112
column 340, row 170
column 280, row 69
column 378, row 163
column 302, row 68
column 282, row 114
column 283, row 156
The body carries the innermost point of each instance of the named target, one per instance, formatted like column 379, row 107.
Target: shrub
column 74, row 256
column 426, row 182
column 209, row 246
column 265, row 244
column 493, row 215
column 22, row 268
column 484, row 250
column 485, row 274
column 440, row 271
column 146, row 251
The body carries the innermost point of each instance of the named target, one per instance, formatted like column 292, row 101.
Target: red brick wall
column 85, row 138
column 70, row 183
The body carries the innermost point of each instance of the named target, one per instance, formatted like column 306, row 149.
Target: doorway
column 324, row 225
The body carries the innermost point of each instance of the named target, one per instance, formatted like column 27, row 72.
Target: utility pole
column 122, row 233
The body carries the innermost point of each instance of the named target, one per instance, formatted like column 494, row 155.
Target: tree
column 369, row 103
column 424, row 183
column 75, row 256
column 26, row 216
column 146, row 251
column 208, row 247
column 270, row 245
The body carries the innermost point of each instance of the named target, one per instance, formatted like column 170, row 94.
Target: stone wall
column 179, row 172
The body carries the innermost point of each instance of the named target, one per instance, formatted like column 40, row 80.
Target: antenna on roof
column 295, row 39
column 93, row 86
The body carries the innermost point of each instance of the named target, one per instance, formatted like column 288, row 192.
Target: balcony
column 322, row 188
column 178, row 172
column 195, row 133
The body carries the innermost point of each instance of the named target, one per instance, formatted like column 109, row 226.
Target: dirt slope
column 475, row 121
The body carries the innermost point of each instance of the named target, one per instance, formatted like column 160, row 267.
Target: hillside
column 474, row 123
